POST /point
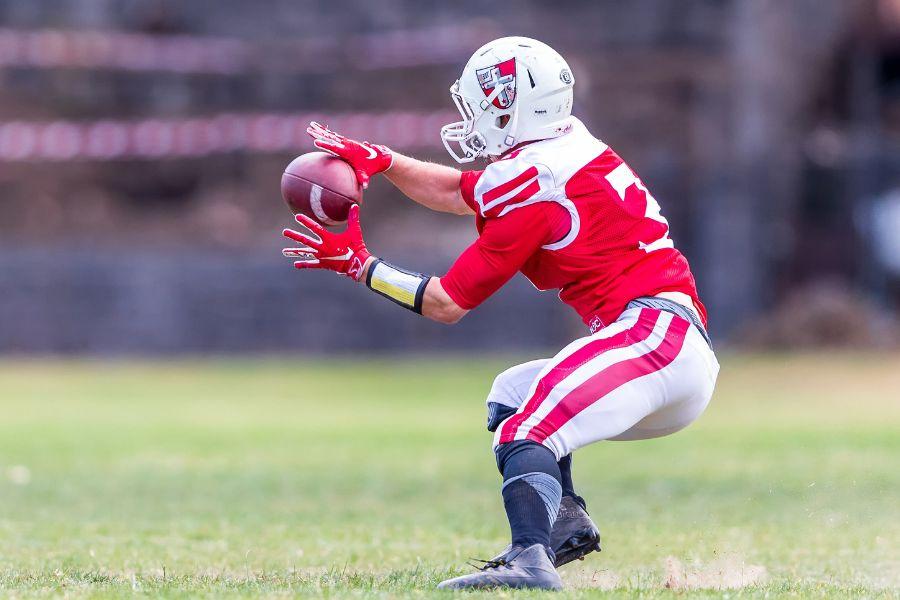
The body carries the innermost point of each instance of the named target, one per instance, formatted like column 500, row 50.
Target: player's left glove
column 343, row 253
column 365, row 158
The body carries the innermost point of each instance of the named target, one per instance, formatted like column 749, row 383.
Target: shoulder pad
column 509, row 184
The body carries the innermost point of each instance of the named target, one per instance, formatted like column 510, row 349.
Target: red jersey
column 570, row 215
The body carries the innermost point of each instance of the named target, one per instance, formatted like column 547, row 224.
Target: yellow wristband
column 403, row 287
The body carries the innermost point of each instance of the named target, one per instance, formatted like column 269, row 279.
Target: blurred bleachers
column 141, row 145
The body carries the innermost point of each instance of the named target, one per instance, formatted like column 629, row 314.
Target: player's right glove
column 346, row 253
column 365, row 158
column 343, row 253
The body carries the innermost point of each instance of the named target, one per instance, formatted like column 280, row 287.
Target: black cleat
column 517, row 567
column 574, row 534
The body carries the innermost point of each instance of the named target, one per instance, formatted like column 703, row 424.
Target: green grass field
column 359, row 478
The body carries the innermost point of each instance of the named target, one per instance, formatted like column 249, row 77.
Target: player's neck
column 511, row 152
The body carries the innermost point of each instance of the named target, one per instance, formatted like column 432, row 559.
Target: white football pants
column 647, row 375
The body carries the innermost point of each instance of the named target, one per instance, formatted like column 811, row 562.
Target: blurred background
column 142, row 142
column 175, row 421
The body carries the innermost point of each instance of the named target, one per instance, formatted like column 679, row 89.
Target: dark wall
column 189, row 302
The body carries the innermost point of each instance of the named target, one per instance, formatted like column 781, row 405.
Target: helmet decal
column 502, row 74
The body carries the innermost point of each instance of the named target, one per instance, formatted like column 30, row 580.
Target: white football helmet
column 512, row 90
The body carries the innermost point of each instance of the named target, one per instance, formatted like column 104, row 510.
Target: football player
column 558, row 205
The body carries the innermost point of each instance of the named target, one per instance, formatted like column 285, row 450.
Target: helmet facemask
column 462, row 133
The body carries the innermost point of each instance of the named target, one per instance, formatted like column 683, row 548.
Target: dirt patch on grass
column 721, row 574
column 589, row 578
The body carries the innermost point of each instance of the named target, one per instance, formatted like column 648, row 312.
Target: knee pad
column 497, row 413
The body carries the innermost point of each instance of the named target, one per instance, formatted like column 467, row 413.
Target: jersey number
column 627, row 185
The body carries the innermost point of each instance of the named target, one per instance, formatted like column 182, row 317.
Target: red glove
column 343, row 253
column 365, row 158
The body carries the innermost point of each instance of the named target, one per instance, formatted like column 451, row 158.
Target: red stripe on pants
column 610, row 379
column 638, row 332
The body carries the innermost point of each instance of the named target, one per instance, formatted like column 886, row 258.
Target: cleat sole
column 577, row 547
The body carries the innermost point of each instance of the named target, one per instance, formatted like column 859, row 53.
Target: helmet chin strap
column 510, row 139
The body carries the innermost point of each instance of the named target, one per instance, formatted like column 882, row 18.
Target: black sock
column 527, row 514
column 565, row 473
column 531, row 491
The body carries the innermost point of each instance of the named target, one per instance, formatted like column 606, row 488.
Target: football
column 320, row 186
